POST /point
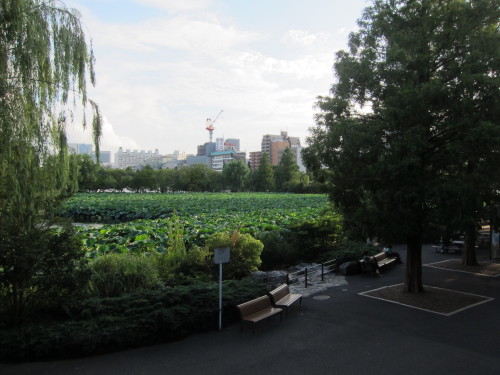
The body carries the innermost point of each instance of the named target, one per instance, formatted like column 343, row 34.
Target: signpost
column 221, row 255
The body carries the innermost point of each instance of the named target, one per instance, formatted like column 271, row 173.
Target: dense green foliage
column 235, row 176
column 244, row 253
column 53, row 270
column 307, row 240
column 350, row 251
column 411, row 134
column 103, row 207
column 101, row 325
column 262, row 179
column 115, row 274
column 45, row 62
column 201, row 215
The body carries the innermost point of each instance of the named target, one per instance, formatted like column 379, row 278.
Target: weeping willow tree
column 45, row 65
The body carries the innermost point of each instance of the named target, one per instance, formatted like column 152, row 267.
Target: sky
column 164, row 66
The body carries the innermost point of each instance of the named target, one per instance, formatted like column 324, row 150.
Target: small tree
column 263, row 177
column 235, row 175
column 244, row 256
column 287, row 172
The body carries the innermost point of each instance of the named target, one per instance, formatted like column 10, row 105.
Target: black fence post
column 322, row 271
column 287, row 279
column 306, row 278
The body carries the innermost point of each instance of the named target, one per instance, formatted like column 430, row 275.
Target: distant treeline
column 236, row 176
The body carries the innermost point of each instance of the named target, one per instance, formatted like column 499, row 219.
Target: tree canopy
column 235, row 174
column 411, row 128
column 287, row 172
column 45, row 64
column 263, row 177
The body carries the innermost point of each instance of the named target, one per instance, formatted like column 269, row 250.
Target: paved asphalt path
column 342, row 333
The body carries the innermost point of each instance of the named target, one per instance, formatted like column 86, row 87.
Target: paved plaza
column 337, row 331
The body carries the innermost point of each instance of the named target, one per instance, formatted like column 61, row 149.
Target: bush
column 99, row 325
column 244, row 254
column 350, row 251
column 40, row 269
column 308, row 240
column 116, row 274
column 279, row 250
column 195, row 265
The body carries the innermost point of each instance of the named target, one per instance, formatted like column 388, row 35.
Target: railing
column 309, row 272
column 304, row 275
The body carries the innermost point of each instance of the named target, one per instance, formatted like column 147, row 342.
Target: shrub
column 279, row 250
column 115, row 274
column 195, row 265
column 244, row 254
column 307, row 240
column 42, row 268
column 350, row 251
column 99, row 325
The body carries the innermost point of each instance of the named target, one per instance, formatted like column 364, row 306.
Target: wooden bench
column 452, row 248
column 258, row 309
column 382, row 261
column 281, row 297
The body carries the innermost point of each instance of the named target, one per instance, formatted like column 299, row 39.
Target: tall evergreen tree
column 287, row 172
column 263, row 177
column 412, row 124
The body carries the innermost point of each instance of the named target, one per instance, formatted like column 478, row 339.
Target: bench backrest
column 255, row 305
column 279, row 292
column 380, row 256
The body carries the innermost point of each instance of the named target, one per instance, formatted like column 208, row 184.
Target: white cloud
column 110, row 140
column 177, row 5
column 305, row 38
column 160, row 78
column 202, row 34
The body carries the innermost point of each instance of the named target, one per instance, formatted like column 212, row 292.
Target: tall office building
column 274, row 145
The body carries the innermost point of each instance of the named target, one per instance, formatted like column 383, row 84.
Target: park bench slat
column 281, row 297
column 258, row 309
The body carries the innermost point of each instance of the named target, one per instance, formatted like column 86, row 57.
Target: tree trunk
column 469, row 255
column 413, row 279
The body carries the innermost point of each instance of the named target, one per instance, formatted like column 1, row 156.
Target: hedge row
column 109, row 324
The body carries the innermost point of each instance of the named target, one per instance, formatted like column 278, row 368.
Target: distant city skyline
column 164, row 66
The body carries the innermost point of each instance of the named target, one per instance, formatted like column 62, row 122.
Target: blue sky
column 164, row 66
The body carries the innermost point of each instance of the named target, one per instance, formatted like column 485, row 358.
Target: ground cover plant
column 122, row 207
column 200, row 215
column 99, row 325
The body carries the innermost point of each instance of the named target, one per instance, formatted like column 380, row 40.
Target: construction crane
column 210, row 125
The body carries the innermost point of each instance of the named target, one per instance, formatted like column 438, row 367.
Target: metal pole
column 306, row 277
column 322, row 271
column 220, row 296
